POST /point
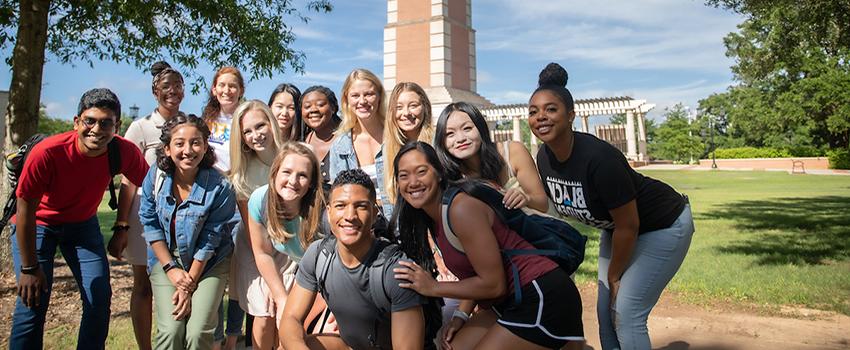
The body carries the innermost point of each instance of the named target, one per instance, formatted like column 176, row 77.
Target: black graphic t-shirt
column 597, row 178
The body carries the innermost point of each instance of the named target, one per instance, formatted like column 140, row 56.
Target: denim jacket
column 204, row 222
column 342, row 157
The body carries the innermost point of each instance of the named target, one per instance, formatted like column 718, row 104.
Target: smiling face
column 316, row 110
column 227, row 91
column 462, row 138
column 283, row 109
column 95, row 128
column 256, row 131
column 409, row 113
column 418, row 181
column 187, row 147
column 169, row 92
column 351, row 212
column 548, row 117
column 293, row 178
column 362, row 99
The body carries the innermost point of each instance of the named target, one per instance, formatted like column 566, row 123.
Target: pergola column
column 631, row 142
column 517, row 136
column 642, row 156
column 584, row 125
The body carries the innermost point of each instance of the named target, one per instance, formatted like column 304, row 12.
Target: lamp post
column 711, row 130
column 134, row 111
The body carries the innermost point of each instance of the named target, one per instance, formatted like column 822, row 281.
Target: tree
column 253, row 35
column 52, row 126
column 793, row 72
column 677, row 139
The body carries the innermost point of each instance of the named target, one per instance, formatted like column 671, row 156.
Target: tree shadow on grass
column 781, row 231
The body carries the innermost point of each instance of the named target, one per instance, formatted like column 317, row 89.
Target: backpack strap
column 327, row 250
column 377, row 270
column 448, row 196
column 114, row 155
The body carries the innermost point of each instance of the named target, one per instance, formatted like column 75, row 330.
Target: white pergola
column 635, row 111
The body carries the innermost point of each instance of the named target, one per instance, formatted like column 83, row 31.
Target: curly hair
column 163, row 161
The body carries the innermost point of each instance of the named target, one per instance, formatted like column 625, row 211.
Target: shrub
column 839, row 159
column 750, row 152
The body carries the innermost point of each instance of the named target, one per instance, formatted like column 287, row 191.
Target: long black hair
column 492, row 163
column 298, row 129
column 414, row 224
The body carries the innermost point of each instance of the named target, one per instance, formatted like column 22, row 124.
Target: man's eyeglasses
column 105, row 124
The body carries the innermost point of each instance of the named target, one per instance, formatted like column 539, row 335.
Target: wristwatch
column 120, row 226
column 170, row 265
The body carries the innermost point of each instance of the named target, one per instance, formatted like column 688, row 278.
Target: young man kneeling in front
column 339, row 267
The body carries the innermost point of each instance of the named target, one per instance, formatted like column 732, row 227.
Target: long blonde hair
column 394, row 138
column 311, row 204
column 240, row 154
column 349, row 120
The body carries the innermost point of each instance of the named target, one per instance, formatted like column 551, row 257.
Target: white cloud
column 324, row 77
column 362, row 55
column 302, row 32
column 507, row 97
column 660, row 34
column 57, row 110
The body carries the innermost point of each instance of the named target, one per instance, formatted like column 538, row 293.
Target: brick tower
column 432, row 43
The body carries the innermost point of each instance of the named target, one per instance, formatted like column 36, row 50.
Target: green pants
column 196, row 331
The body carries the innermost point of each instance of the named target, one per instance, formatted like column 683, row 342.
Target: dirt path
column 673, row 325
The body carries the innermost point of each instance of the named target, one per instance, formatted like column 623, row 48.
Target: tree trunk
column 25, row 92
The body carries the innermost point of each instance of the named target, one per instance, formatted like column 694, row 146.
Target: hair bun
column 158, row 67
column 553, row 74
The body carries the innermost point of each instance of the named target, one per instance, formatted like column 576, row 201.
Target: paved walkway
column 697, row 167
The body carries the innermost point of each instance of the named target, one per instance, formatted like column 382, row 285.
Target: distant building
column 432, row 43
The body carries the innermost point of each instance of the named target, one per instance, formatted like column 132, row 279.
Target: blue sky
column 664, row 51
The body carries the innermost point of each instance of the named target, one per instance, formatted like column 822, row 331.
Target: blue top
column 342, row 157
column 257, row 211
column 204, row 223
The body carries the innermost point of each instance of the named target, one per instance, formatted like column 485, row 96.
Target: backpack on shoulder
column 377, row 291
column 552, row 237
column 15, row 165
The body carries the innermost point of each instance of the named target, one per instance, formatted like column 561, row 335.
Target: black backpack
column 377, row 291
column 552, row 237
column 15, row 165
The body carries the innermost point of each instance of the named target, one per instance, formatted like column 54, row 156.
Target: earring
column 245, row 148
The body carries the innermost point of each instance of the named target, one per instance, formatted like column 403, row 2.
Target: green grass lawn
column 763, row 239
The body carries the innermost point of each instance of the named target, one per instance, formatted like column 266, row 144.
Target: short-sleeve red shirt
column 70, row 184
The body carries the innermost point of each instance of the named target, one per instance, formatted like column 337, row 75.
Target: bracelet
column 461, row 315
column 28, row 270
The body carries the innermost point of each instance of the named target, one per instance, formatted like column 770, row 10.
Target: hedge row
column 750, row 152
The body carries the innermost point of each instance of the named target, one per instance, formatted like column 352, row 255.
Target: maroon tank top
column 530, row 266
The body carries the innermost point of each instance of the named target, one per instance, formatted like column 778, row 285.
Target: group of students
column 329, row 231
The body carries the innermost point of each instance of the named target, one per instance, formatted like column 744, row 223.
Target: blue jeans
column 235, row 318
column 656, row 258
column 82, row 246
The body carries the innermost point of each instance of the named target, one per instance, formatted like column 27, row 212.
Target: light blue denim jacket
column 204, row 222
column 342, row 157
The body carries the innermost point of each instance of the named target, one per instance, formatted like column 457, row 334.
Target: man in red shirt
column 59, row 190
